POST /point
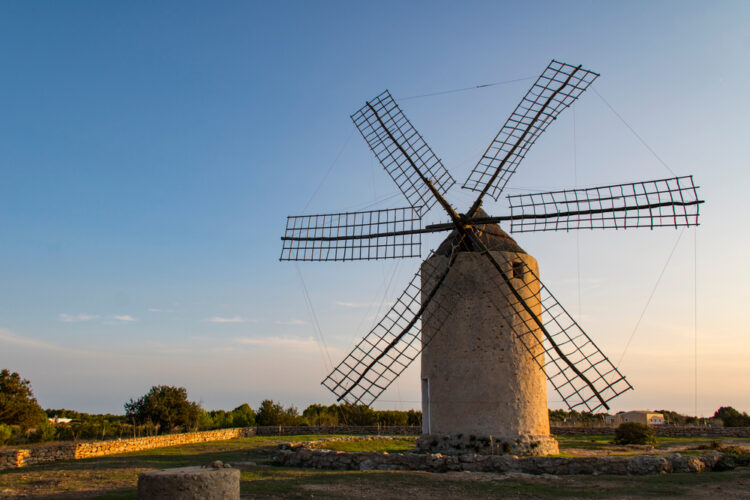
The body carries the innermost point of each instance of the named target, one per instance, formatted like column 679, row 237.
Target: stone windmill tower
column 489, row 331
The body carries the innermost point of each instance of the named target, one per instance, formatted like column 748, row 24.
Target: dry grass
column 115, row 477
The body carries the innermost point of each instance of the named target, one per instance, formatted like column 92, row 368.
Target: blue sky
column 150, row 153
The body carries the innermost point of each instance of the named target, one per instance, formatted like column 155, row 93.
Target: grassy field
column 115, row 477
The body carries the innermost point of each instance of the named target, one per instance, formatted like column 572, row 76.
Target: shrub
column 634, row 433
column 731, row 457
column 45, row 432
column 5, row 433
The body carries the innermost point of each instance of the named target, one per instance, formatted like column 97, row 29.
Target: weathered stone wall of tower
column 478, row 378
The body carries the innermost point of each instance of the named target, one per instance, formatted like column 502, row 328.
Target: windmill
column 489, row 331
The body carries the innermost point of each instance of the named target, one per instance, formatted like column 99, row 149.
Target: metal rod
column 447, row 226
column 650, row 206
column 446, row 206
column 408, row 327
column 487, row 186
column 365, row 236
column 484, row 250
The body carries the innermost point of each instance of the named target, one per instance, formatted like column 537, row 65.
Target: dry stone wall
column 389, row 430
column 661, row 430
column 296, row 455
column 70, row 451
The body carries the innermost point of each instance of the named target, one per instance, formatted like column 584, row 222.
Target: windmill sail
column 376, row 234
column 578, row 370
column 556, row 88
column 659, row 203
column 400, row 149
column 391, row 346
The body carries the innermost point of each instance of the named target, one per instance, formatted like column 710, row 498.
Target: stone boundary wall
column 399, row 430
column 10, row 459
column 390, row 430
column 301, row 456
column 661, row 430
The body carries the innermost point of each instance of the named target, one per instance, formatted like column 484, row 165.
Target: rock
column 190, row 483
column 687, row 464
column 644, row 464
column 217, row 464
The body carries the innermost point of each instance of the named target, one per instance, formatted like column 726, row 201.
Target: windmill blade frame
column 375, row 234
column 671, row 202
column 574, row 365
column 392, row 345
column 398, row 147
column 558, row 86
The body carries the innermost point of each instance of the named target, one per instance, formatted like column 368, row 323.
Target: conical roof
column 494, row 238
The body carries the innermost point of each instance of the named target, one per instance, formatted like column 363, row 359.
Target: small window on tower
column 518, row 269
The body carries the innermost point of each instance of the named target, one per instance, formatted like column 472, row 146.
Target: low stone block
column 190, row 483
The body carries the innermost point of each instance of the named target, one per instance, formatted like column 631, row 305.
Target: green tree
column 165, row 406
column 356, row 415
column 414, row 418
column 5, row 433
column 731, row 417
column 243, row 416
column 317, row 414
column 18, row 405
column 272, row 413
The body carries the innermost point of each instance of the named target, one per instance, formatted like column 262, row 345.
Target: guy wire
column 651, row 296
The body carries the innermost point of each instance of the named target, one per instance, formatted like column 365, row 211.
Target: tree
column 272, row 413
column 317, row 414
column 243, row 416
column 731, row 417
column 356, row 414
column 165, row 406
column 18, row 405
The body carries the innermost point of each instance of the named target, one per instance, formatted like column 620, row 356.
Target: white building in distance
column 639, row 416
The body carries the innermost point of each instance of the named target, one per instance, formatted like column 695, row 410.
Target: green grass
column 603, row 442
column 115, row 477
column 387, row 445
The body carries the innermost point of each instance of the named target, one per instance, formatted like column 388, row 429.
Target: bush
column 45, row 432
column 5, row 433
column 634, row 433
column 731, row 457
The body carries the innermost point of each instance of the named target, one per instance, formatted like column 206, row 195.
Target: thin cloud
column 13, row 338
column 157, row 310
column 232, row 319
column 124, row 317
column 308, row 344
column 290, row 322
column 360, row 304
column 74, row 318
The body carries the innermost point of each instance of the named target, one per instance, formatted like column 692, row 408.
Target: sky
column 151, row 151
